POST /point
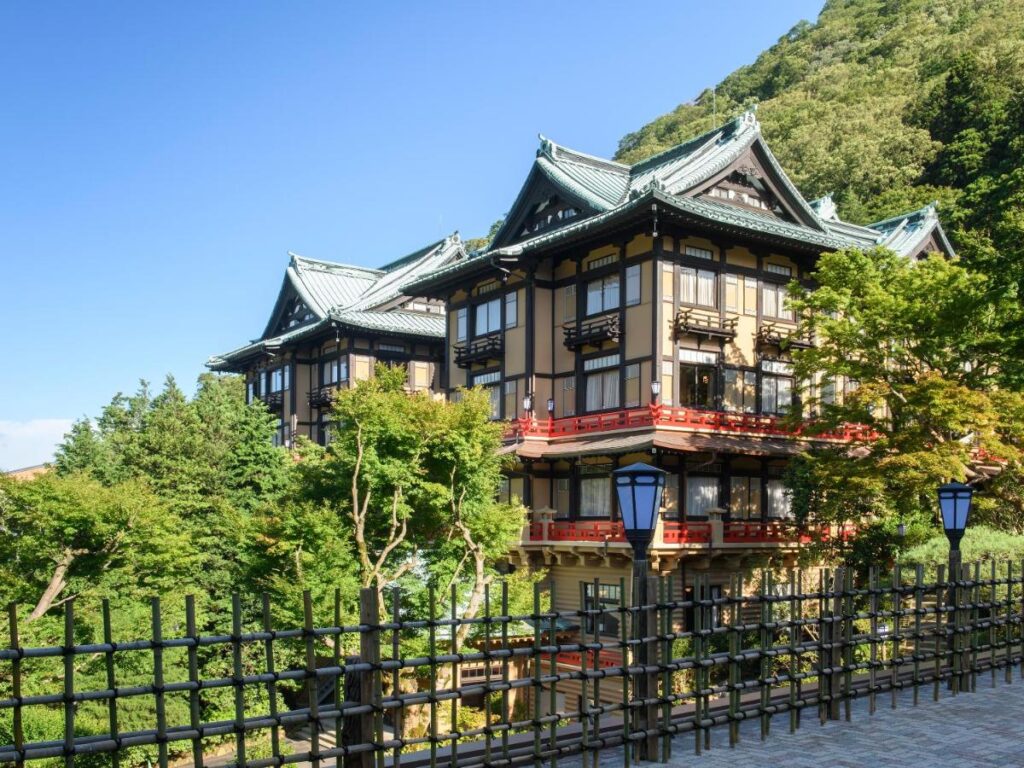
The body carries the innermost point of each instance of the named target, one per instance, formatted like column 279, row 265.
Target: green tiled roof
column 342, row 295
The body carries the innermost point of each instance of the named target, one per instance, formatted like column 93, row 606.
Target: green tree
column 921, row 340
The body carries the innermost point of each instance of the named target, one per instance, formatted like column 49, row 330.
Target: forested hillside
column 889, row 105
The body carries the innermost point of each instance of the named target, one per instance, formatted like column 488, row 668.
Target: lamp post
column 640, row 488
column 527, row 405
column 955, row 506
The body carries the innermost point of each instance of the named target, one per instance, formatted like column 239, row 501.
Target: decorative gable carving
column 294, row 313
column 753, row 183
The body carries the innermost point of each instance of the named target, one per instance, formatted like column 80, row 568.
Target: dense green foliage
column 166, row 496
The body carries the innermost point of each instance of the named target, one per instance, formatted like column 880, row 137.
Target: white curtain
column 706, row 288
column 701, row 495
column 779, row 500
column 595, row 497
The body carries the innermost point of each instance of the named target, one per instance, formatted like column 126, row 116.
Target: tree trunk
column 58, row 582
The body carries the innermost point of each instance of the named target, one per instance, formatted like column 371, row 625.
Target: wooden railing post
column 363, row 687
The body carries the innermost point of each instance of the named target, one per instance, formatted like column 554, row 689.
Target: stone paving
column 985, row 728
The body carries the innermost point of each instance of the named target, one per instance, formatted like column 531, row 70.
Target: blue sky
column 159, row 160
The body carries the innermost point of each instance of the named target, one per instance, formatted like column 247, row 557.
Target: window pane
column 633, row 285
column 512, row 309
column 768, row 394
column 784, row 395
column 778, row 500
column 595, row 297
column 595, row 392
column 569, row 310
column 706, row 288
column 671, row 497
column 749, row 296
column 494, row 393
column 687, row 285
column 732, row 293
column 569, row 396
column 460, row 325
column 611, row 389
column 611, row 293
column 701, row 495
column 595, row 497
column 769, row 301
column 632, row 375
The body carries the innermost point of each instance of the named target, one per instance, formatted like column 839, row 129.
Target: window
column 387, row 346
column 420, row 375
column 776, row 394
column 773, row 302
column 732, row 293
column 670, row 499
column 491, row 383
column 283, row 435
column 461, row 331
column 696, row 386
column 512, row 309
column 488, row 318
column 603, row 261
column 569, row 308
column 778, row 269
column 511, row 404
column 280, row 379
column 603, row 295
column 632, row 285
column 606, row 598
column 562, row 497
column 603, row 390
column 667, row 391
column 250, row 391
column 749, row 296
column 602, row 386
column 779, row 505
column 828, row 391
column 569, row 396
column 363, row 367
column 745, row 497
column 701, row 495
column 631, row 374
column 596, row 497
column 697, row 286
column 333, row 371
column 698, row 253
column 740, row 390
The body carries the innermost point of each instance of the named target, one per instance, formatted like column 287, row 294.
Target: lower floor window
column 745, row 497
column 596, row 497
column 605, row 598
column 779, row 500
column 701, row 495
column 776, row 394
column 283, row 434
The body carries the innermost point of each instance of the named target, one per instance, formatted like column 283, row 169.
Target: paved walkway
column 985, row 728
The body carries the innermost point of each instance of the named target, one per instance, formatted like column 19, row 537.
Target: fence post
column 833, row 631
column 361, row 687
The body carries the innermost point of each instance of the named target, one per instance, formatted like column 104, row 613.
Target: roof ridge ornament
column 547, row 146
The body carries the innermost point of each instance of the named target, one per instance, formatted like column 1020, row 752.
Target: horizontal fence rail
column 629, row 668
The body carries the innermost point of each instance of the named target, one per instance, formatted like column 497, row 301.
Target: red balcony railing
column 695, row 419
column 595, row 659
column 598, row 531
column 675, row 532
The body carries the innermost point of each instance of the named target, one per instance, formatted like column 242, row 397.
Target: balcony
column 478, row 351
column 710, row 326
column 274, row 400
column 671, row 534
column 322, row 396
column 774, row 335
column 683, row 419
column 592, row 332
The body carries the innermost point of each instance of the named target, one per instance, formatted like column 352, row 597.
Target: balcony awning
column 595, row 446
column 741, row 444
